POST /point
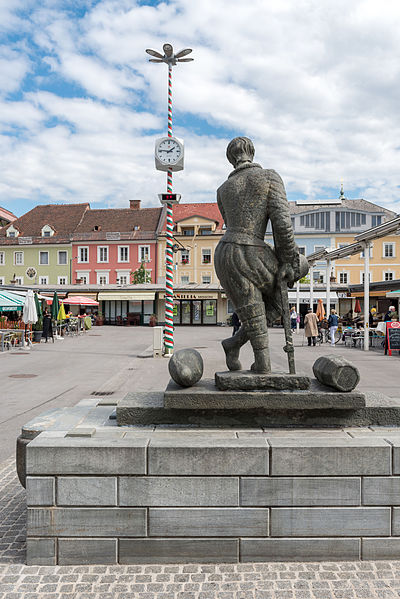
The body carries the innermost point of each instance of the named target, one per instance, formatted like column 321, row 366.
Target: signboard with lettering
column 191, row 296
column 25, row 240
column 392, row 337
column 113, row 236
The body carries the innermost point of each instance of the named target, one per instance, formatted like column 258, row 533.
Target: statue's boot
column 254, row 322
column 232, row 347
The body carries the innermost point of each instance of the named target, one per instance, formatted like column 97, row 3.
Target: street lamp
column 169, row 157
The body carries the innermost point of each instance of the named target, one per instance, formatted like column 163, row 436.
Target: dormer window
column 47, row 231
column 97, row 228
column 12, row 232
column 136, row 227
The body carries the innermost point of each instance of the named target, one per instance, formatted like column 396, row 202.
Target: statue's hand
column 287, row 274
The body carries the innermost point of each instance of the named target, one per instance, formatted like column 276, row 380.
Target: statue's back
column 243, row 199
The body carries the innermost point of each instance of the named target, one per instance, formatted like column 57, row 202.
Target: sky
column 314, row 84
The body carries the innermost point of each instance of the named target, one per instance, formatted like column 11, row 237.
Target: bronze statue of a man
column 251, row 271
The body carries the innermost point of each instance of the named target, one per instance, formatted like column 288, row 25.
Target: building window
column 1, row 280
column 376, row 220
column 185, row 280
column 206, row 256
column 62, row 257
column 62, row 280
column 18, row 259
column 370, row 252
column 12, row 232
column 2, row 258
column 19, row 280
column 84, row 277
column 144, row 253
column 388, row 250
column 102, row 253
column 363, row 277
column 206, row 279
column 188, row 231
column 102, row 278
column 343, row 278
column 122, row 279
column 388, row 276
column 47, row 231
column 43, row 280
column 205, row 231
column 302, row 250
column 83, row 254
column 44, row 258
column 185, row 257
column 123, row 253
column 319, row 248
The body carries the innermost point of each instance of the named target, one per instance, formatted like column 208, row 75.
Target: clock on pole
column 169, row 154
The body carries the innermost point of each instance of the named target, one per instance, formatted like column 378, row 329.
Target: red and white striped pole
column 170, row 59
column 169, row 254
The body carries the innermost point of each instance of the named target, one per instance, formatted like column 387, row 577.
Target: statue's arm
column 279, row 214
column 220, row 206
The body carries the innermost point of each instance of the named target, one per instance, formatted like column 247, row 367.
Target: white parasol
column 29, row 313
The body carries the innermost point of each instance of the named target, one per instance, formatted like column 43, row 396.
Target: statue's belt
column 242, row 239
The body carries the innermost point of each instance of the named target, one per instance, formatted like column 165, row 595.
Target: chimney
column 134, row 204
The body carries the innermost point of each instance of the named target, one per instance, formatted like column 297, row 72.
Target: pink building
column 109, row 244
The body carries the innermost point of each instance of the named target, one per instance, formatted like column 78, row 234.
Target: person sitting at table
column 391, row 314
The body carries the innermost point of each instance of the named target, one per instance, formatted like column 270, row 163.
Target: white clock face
column 169, row 151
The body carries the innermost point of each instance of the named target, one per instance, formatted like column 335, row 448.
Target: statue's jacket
column 248, row 200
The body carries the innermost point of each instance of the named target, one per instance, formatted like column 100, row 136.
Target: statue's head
column 240, row 150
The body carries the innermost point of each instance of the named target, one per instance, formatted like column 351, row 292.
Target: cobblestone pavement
column 338, row 580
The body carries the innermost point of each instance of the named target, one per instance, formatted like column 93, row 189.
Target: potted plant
column 37, row 329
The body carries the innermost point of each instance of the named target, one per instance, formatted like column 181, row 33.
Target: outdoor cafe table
column 12, row 333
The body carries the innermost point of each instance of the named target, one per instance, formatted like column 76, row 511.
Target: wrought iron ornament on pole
column 169, row 157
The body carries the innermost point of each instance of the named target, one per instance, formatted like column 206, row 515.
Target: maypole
column 169, row 254
column 169, row 157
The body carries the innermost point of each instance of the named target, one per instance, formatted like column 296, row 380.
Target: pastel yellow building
column 197, row 230
column 384, row 261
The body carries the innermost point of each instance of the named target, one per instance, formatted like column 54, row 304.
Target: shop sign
column 392, row 337
column 191, row 296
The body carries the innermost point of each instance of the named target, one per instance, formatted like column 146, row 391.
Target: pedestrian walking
column 333, row 322
column 293, row 318
column 311, row 327
column 235, row 323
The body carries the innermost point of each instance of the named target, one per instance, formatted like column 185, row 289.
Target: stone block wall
column 165, row 498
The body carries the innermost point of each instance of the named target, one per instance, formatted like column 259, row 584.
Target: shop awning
column 371, row 294
column 80, row 300
column 9, row 301
column 92, row 296
column 305, row 295
column 126, row 295
column 393, row 293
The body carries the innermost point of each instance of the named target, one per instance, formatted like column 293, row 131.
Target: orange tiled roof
column 205, row 209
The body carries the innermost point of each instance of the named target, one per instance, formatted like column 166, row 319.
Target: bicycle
column 324, row 334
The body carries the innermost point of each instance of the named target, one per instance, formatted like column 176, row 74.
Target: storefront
column 197, row 308
column 128, row 307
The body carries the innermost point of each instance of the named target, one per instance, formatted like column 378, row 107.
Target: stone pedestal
column 247, row 380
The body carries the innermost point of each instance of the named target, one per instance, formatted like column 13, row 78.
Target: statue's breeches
column 248, row 275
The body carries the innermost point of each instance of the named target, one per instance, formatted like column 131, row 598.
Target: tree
column 140, row 275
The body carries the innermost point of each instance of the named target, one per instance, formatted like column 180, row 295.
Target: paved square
column 338, row 580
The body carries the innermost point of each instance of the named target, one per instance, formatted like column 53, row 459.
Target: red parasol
column 357, row 307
